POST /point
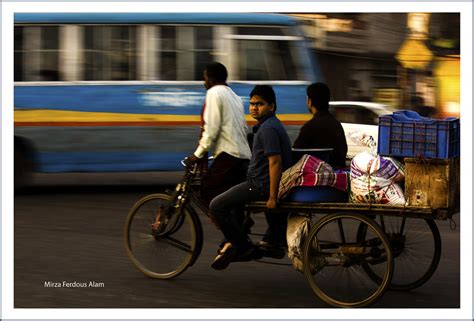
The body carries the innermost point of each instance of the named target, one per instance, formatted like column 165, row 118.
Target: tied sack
column 374, row 180
column 296, row 233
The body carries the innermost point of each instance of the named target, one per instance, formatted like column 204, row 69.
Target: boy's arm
column 275, row 165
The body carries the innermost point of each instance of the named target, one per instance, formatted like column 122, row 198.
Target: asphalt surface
column 68, row 230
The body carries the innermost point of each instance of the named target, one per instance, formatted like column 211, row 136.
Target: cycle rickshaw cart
column 352, row 254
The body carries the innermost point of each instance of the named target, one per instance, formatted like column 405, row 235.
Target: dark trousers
column 276, row 230
column 227, row 210
column 225, row 171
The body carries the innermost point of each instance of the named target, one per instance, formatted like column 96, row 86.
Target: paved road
column 73, row 233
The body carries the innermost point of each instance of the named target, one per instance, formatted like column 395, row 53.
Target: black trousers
column 225, row 171
column 227, row 211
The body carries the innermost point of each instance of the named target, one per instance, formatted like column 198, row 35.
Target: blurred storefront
column 406, row 60
column 356, row 52
column 415, row 72
column 445, row 43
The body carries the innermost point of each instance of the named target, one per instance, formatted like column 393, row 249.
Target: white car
column 359, row 117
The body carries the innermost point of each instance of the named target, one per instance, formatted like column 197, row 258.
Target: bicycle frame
column 187, row 190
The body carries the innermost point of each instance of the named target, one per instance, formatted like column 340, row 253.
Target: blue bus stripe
column 152, row 99
column 56, row 162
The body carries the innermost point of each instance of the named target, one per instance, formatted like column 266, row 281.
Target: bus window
column 266, row 60
column 184, row 52
column 203, row 50
column 168, row 53
column 266, row 53
column 40, row 47
column 18, row 47
column 49, row 54
column 110, row 53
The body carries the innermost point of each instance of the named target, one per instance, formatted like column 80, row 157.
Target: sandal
column 225, row 256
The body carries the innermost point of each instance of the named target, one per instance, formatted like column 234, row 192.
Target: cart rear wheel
column 169, row 250
column 416, row 245
column 334, row 256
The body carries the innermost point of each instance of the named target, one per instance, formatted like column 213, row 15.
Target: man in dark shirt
column 323, row 130
column 271, row 155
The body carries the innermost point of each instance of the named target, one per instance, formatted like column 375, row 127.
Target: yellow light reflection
column 447, row 73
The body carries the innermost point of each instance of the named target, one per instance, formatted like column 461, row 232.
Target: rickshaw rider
column 271, row 155
column 224, row 132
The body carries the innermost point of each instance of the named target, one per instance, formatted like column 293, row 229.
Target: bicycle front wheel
column 334, row 255
column 170, row 251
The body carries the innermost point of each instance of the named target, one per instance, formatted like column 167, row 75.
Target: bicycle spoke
column 177, row 244
column 341, row 231
column 145, row 236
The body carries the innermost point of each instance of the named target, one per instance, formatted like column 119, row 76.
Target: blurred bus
column 116, row 92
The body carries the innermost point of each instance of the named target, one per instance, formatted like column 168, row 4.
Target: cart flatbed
column 425, row 212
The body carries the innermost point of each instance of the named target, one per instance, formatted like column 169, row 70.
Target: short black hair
column 320, row 95
column 266, row 92
column 216, row 72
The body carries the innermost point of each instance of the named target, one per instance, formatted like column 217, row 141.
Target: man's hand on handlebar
column 190, row 160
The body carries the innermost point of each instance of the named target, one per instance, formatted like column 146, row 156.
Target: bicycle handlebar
column 184, row 164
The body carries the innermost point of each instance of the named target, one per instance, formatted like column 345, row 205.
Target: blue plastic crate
column 407, row 134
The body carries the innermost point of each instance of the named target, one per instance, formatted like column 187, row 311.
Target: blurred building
column 445, row 43
column 407, row 60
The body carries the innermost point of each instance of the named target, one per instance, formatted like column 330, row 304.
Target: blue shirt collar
column 260, row 122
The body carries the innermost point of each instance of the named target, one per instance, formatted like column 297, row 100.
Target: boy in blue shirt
column 271, row 155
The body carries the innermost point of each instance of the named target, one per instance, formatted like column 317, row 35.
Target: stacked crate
column 431, row 152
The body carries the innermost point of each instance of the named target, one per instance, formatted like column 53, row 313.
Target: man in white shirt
column 224, row 133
